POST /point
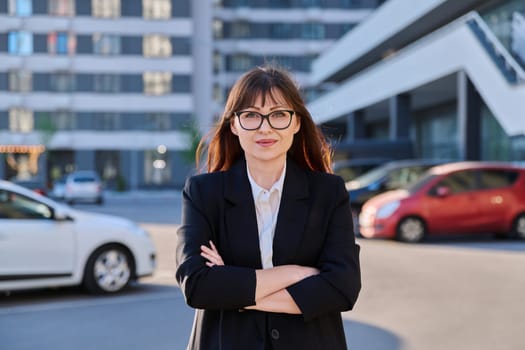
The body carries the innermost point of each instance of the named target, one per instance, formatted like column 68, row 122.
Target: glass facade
column 21, row 120
column 507, row 21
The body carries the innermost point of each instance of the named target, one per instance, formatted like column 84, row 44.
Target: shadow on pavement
column 478, row 241
column 365, row 336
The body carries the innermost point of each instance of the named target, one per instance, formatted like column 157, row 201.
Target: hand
column 212, row 255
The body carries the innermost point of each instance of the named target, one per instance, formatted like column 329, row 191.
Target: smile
column 266, row 143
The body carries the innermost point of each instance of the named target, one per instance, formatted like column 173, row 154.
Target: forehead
column 268, row 98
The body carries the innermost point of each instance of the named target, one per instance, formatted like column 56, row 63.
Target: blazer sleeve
column 218, row 287
column 336, row 287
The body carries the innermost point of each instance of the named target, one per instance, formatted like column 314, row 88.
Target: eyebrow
column 272, row 108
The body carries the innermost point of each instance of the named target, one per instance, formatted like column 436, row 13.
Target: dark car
column 389, row 176
column 34, row 185
column 349, row 169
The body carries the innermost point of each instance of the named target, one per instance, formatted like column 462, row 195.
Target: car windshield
column 419, row 184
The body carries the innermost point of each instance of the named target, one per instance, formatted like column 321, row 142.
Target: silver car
column 82, row 186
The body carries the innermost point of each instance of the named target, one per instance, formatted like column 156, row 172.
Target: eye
column 279, row 114
column 250, row 115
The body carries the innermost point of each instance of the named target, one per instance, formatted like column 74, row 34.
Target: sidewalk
column 144, row 194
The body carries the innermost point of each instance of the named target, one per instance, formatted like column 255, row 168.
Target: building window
column 106, row 83
column 157, row 83
column 240, row 62
column 157, row 122
column 105, row 8
column 310, row 3
column 240, row 30
column 20, row 81
column 106, row 44
column 106, row 121
column 61, row 7
column 62, row 82
column 21, row 120
column 61, row 43
column 218, row 28
column 312, row 31
column 281, row 30
column 156, row 46
column 63, row 120
column 156, row 9
column 21, row 8
column 156, row 167
column 20, row 43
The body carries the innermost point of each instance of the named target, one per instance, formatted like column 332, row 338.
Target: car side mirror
column 61, row 214
column 442, row 191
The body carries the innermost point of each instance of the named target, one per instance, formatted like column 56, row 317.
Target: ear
column 233, row 128
column 297, row 126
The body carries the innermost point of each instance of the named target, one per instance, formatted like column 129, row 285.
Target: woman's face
column 266, row 144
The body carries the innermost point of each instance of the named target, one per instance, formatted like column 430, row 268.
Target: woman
column 266, row 251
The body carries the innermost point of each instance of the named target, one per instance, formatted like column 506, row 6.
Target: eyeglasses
column 278, row 120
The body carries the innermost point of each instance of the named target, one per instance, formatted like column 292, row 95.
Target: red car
column 463, row 197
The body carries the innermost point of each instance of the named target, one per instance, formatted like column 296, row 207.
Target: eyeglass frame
column 267, row 117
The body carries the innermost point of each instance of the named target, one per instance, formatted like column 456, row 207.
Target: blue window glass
column 22, row 8
column 20, row 43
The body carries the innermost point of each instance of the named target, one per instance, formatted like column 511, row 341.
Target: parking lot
column 461, row 293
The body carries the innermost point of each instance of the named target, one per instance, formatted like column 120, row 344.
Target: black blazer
column 314, row 228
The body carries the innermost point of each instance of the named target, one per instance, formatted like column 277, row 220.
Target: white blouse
column 267, row 208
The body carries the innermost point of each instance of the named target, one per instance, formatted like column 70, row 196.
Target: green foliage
column 194, row 135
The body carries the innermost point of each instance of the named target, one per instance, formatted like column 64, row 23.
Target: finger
column 209, row 264
column 213, row 247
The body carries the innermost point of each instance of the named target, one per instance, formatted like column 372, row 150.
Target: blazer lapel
column 293, row 213
column 241, row 220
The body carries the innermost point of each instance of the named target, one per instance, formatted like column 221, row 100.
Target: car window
column 83, row 179
column 495, row 178
column 461, row 181
column 16, row 206
column 403, row 177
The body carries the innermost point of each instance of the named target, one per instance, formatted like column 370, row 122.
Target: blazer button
column 275, row 334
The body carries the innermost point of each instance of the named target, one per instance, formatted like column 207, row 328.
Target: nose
column 265, row 125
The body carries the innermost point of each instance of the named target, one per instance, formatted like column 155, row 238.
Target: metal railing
column 506, row 63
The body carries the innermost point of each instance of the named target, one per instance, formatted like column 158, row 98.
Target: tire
column 100, row 201
column 518, row 228
column 411, row 230
column 108, row 270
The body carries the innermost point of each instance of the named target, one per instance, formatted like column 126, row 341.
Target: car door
column 32, row 243
column 495, row 198
column 456, row 211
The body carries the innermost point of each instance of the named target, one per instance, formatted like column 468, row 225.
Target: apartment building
column 445, row 77
column 119, row 86
column 96, row 84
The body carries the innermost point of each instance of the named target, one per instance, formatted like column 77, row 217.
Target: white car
column 47, row 244
column 81, row 186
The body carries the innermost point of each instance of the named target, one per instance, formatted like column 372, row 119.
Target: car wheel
column 100, row 201
column 411, row 230
column 108, row 270
column 518, row 229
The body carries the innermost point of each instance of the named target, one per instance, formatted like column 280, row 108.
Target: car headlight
column 387, row 210
column 140, row 231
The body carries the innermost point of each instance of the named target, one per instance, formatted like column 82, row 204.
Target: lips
column 266, row 142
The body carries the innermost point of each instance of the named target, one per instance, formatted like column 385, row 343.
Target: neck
column 265, row 174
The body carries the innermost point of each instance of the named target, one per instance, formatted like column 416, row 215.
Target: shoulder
column 324, row 179
column 207, row 183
